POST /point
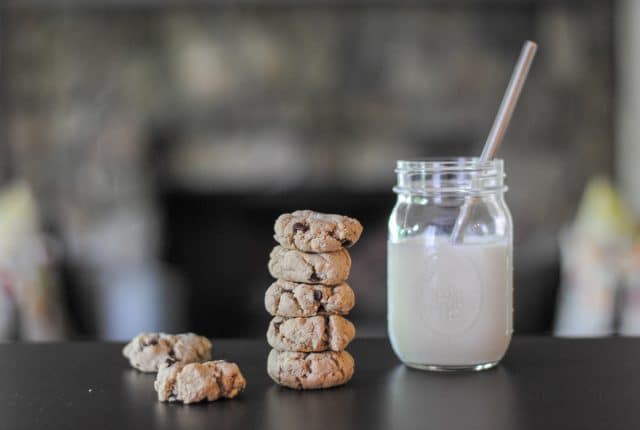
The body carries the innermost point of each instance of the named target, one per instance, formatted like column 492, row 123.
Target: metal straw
column 500, row 124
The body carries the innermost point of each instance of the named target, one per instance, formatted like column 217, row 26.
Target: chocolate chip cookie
column 291, row 299
column 308, row 371
column 147, row 351
column 329, row 268
column 312, row 334
column 194, row 382
column 310, row 231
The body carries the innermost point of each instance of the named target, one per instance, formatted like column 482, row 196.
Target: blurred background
column 148, row 146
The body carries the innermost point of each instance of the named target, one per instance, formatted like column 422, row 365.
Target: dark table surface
column 543, row 383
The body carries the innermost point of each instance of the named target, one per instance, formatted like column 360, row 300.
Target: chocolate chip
column 314, row 277
column 152, row 341
column 346, row 243
column 317, row 294
column 169, row 361
column 172, row 353
column 300, row 227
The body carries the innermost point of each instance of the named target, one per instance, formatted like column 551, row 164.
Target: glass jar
column 450, row 299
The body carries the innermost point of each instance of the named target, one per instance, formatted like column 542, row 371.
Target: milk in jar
column 450, row 304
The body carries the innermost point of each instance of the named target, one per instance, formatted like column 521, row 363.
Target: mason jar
column 450, row 271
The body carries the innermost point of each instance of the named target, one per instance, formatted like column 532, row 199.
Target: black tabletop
column 543, row 383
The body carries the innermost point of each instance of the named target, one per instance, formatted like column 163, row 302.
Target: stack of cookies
column 308, row 332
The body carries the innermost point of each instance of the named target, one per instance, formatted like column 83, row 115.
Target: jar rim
column 443, row 164
column 453, row 175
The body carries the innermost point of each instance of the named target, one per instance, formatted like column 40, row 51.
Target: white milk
column 450, row 304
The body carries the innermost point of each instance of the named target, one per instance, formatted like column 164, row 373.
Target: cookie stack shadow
column 309, row 299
